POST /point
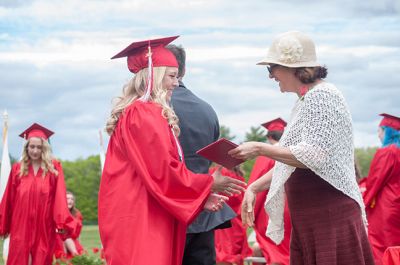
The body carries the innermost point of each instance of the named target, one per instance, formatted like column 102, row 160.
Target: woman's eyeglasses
column 271, row 68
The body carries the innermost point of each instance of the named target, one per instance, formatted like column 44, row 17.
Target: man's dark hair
column 276, row 135
column 180, row 55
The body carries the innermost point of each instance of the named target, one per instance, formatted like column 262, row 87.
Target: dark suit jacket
column 199, row 127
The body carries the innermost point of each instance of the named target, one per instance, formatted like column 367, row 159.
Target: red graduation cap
column 36, row 130
column 138, row 54
column 275, row 125
column 147, row 54
column 390, row 121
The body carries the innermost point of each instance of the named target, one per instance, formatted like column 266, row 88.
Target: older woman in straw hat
column 314, row 167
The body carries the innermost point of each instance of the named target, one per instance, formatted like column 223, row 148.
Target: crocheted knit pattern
column 320, row 136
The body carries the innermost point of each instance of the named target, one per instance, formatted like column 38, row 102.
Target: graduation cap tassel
column 149, row 86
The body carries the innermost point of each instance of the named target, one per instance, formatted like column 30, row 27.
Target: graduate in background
column 71, row 246
column 34, row 205
column 382, row 195
column 147, row 196
column 231, row 244
column 271, row 251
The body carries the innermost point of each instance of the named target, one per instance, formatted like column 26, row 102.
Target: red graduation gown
column 147, row 195
column 271, row 251
column 60, row 252
column 30, row 211
column 382, row 200
column 231, row 243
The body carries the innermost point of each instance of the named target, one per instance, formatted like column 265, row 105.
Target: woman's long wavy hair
column 134, row 89
column 46, row 159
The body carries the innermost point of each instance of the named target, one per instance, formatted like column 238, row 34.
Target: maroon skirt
column 327, row 226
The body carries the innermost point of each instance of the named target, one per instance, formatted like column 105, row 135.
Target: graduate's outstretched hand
column 248, row 203
column 227, row 185
column 215, row 202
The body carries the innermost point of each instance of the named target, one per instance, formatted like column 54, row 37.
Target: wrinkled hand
column 245, row 151
column 215, row 202
column 227, row 185
column 248, row 203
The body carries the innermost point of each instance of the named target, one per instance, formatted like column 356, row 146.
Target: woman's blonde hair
column 46, row 159
column 134, row 89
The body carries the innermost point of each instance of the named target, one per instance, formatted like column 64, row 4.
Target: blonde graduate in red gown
column 279, row 254
column 34, row 207
column 147, row 196
column 382, row 195
column 231, row 244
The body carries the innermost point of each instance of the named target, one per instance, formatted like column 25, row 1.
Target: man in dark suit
column 199, row 127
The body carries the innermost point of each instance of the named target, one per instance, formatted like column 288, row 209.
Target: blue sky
column 55, row 66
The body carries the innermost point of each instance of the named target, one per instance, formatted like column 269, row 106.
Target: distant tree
column 256, row 134
column 82, row 177
column 225, row 132
column 364, row 157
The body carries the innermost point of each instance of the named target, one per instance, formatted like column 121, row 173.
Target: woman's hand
column 215, row 202
column 248, row 207
column 246, row 151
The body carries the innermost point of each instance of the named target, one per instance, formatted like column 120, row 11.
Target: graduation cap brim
column 36, row 130
column 138, row 46
column 389, row 116
column 390, row 121
column 275, row 123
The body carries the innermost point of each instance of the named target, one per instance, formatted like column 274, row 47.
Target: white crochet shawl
column 320, row 136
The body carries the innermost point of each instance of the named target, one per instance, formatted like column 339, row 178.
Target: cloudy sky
column 55, row 66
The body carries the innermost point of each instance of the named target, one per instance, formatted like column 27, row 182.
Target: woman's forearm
column 263, row 183
column 281, row 154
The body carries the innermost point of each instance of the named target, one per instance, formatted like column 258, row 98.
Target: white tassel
column 149, row 87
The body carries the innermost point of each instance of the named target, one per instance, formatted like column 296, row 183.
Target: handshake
column 223, row 185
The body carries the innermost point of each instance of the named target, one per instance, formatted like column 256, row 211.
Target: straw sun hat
column 292, row 49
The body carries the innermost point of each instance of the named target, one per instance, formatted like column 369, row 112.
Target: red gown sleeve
column 79, row 220
column 61, row 215
column 152, row 148
column 8, row 200
column 379, row 172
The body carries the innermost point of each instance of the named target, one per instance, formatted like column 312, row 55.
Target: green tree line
column 82, row 176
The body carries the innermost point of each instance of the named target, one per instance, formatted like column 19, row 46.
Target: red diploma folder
column 218, row 153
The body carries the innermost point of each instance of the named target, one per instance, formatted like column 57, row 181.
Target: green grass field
column 89, row 238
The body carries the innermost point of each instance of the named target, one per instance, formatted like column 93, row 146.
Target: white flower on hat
column 290, row 50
